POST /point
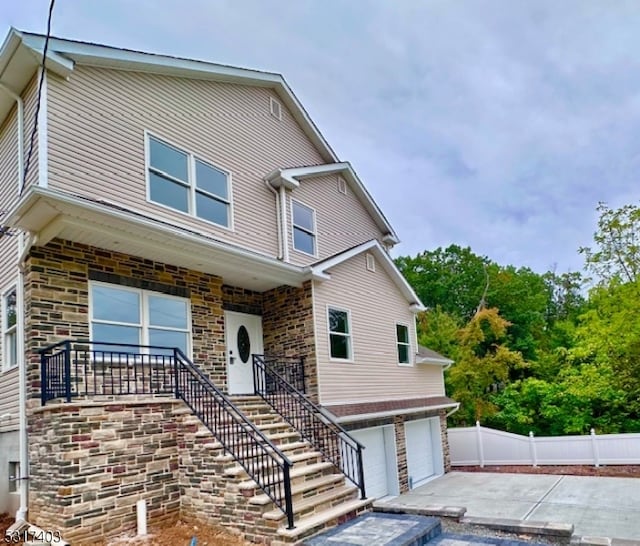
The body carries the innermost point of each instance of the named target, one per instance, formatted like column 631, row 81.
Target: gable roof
column 320, row 269
column 21, row 54
column 428, row 356
column 291, row 178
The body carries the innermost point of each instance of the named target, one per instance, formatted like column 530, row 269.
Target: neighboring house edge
column 203, row 315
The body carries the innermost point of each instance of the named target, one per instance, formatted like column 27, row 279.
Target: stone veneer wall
column 287, row 321
column 91, row 463
column 57, row 299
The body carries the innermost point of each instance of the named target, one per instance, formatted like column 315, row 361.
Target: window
column 183, row 182
column 339, row 334
column 138, row 317
column 304, row 228
column 14, row 476
column 10, row 328
column 402, row 341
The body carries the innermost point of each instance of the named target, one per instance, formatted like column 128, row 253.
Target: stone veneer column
column 401, row 451
column 446, row 453
column 289, row 330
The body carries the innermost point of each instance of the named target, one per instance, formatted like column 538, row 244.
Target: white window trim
column 408, row 344
column 6, row 331
column 190, row 184
column 349, row 335
column 294, row 226
column 144, row 318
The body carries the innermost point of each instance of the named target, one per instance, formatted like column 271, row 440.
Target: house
column 199, row 310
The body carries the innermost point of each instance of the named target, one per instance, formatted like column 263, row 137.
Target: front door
column 244, row 338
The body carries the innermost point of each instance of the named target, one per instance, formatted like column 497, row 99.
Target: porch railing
column 71, row 369
column 315, row 426
column 291, row 369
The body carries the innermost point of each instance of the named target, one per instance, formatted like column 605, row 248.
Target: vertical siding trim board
column 43, row 134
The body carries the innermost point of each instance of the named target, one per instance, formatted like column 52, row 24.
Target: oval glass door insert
column 244, row 344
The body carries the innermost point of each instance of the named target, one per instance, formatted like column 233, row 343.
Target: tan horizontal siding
column 97, row 121
column 341, row 219
column 376, row 305
column 9, row 400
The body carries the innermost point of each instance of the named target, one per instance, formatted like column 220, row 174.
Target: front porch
column 61, row 303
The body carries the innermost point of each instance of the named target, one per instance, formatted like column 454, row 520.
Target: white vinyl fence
column 473, row 446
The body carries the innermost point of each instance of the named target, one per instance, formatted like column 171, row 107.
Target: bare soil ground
column 617, row 471
column 177, row 533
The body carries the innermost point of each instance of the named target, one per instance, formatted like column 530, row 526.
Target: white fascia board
column 320, row 269
column 9, row 46
column 55, row 61
column 429, row 360
column 34, row 193
column 344, row 168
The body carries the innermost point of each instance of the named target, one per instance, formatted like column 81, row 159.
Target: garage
column 424, row 450
column 379, row 458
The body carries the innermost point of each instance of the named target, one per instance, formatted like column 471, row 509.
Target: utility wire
column 37, row 112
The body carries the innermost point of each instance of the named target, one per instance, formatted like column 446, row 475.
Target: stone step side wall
column 91, row 463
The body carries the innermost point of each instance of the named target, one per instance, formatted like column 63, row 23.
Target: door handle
column 231, row 357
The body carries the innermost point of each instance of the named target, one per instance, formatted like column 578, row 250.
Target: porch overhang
column 362, row 411
column 47, row 214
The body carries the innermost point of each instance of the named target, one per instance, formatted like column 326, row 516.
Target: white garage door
column 377, row 457
column 422, row 443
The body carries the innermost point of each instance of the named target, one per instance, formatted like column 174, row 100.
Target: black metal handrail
column 315, row 426
column 290, row 368
column 74, row 368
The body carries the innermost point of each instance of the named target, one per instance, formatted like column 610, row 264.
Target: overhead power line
column 34, row 130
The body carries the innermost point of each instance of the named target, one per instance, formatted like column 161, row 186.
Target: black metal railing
column 291, row 369
column 315, row 426
column 71, row 369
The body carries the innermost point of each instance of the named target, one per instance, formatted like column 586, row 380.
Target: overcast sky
column 494, row 124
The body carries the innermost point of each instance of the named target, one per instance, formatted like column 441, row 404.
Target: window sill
column 345, row 360
column 230, row 229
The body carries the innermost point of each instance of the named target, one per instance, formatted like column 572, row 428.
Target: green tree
column 616, row 255
column 482, row 366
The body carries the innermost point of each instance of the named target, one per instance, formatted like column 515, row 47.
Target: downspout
column 21, row 513
column 449, row 414
column 283, row 223
column 278, row 218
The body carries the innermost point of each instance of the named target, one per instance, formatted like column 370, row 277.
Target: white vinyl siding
column 99, row 151
column 341, row 219
column 131, row 316
column 375, row 304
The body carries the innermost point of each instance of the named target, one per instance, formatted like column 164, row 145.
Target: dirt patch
column 172, row 534
column 179, row 533
column 618, row 471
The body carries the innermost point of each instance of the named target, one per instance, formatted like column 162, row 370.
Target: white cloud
column 496, row 124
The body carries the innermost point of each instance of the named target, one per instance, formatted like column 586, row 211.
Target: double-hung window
column 10, row 328
column 339, row 334
column 130, row 316
column 179, row 180
column 304, row 228
column 403, row 344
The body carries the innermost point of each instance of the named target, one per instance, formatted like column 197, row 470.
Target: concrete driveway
column 605, row 507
